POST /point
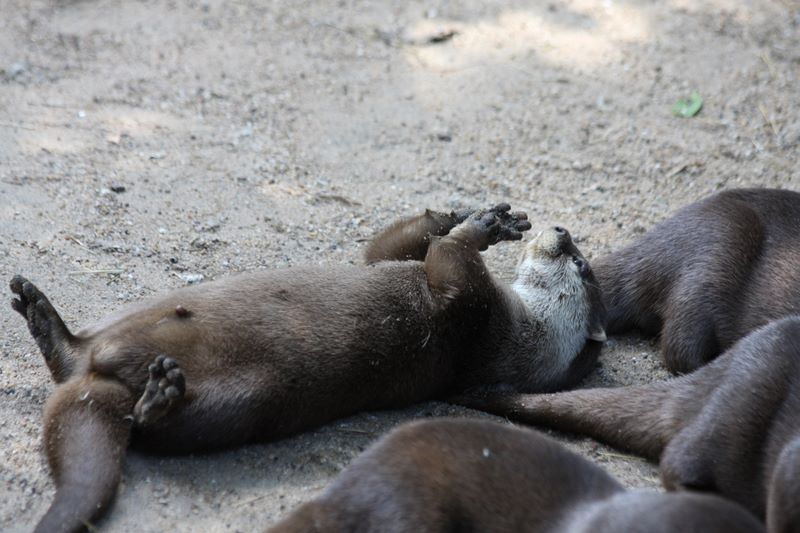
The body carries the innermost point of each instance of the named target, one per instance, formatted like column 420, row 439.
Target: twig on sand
column 768, row 119
column 79, row 243
column 251, row 500
column 21, row 126
column 770, row 65
column 111, row 271
column 355, row 430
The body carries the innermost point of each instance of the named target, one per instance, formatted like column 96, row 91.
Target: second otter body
column 707, row 276
column 441, row 476
column 731, row 427
column 266, row 355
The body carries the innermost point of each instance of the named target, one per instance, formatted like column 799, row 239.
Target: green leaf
column 688, row 107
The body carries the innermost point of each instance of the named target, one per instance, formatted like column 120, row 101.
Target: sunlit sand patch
column 583, row 34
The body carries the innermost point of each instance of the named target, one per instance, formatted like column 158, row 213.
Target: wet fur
column 731, row 427
column 468, row 475
column 708, row 275
column 266, row 355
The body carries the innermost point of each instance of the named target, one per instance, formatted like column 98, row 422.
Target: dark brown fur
column 266, row 355
column 731, row 427
column 479, row 476
column 708, row 275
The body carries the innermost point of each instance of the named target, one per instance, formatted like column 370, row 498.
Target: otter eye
column 583, row 266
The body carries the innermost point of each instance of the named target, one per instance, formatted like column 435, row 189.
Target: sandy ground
column 145, row 144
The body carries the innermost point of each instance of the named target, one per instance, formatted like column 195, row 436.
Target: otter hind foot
column 46, row 327
column 165, row 386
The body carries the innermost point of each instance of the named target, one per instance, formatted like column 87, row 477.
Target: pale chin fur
column 554, row 294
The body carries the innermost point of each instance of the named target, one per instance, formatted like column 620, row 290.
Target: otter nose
column 553, row 241
column 563, row 237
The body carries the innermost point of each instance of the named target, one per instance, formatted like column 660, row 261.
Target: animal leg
column 637, row 418
column 408, row 239
column 49, row 331
column 165, row 386
column 782, row 511
column 86, row 432
column 686, row 463
column 689, row 339
column 453, row 263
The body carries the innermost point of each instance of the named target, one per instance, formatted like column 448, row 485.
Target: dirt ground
column 147, row 144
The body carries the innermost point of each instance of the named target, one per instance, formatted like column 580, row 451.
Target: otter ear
column 597, row 333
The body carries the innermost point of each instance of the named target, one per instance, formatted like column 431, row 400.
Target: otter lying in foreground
column 469, row 475
column 731, row 427
column 708, row 275
column 266, row 355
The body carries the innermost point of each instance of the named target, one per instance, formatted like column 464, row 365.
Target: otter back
column 708, row 275
column 468, row 475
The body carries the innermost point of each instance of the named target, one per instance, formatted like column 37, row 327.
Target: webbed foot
column 45, row 325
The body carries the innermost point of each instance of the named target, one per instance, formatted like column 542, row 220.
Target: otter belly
column 269, row 355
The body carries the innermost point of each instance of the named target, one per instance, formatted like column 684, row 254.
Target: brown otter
column 708, row 275
column 731, row 427
column 266, row 355
column 469, row 475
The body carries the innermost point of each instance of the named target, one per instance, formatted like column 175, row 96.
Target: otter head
column 556, row 282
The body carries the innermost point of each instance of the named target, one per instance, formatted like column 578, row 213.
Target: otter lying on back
column 443, row 476
column 708, row 275
column 731, row 427
column 266, row 355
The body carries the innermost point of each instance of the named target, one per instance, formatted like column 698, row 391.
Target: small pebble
column 190, row 278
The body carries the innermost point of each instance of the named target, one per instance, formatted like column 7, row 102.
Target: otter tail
column 49, row 331
column 87, row 428
column 639, row 418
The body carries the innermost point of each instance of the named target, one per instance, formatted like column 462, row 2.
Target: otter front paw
column 511, row 224
column 499, row 224
column 165, row 386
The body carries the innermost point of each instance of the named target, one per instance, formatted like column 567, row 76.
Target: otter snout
column 555, row 243
column 552, row 242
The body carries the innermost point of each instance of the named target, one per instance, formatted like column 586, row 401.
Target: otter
column 262, row 356
column 470, row 475
column 707, row 276
column 731, row 427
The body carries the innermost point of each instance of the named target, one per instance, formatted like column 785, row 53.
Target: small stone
column 191, row 278
column 16, row 69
